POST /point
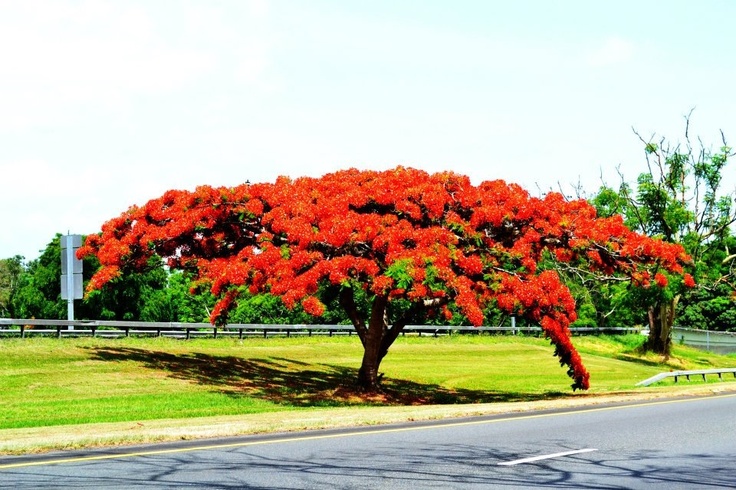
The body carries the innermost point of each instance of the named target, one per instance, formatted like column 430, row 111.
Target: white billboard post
column 71, row 273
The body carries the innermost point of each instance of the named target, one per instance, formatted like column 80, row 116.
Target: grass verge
column 70, row 393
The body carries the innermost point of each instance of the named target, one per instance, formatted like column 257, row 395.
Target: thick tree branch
column 347, row 301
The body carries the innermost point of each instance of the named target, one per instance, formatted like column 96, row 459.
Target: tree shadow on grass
column 295, row 383
column 635, row 358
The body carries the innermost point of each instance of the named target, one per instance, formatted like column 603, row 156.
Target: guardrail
column 111, row 328
column 713, row 341
column 686, row 374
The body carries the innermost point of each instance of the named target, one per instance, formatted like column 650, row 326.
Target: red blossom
column 688, row 281
column 660, row 279
column 313, row 306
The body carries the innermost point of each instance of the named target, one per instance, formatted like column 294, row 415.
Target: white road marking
column 546, row 456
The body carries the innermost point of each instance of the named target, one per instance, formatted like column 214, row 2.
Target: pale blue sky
column 108, row 104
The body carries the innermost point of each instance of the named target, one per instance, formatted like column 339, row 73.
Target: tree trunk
column 368, row 373
column 377, row 339
column 372, row 337
column 661, row 320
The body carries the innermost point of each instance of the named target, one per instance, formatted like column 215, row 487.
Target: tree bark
column 377, row 339
column 347, row 301
column 368, row 373
column 661, row 320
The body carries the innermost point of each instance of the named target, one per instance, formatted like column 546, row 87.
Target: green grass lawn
column 48, row 381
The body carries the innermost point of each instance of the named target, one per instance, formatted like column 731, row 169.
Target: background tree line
column 679, row 197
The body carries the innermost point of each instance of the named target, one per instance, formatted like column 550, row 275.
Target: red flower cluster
column 401, row 233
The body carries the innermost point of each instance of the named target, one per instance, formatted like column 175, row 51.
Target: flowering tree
column 428, row 240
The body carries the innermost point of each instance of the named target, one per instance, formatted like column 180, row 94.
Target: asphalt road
column 685, row 443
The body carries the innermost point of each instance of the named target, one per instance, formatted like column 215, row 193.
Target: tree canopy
column 683, row 198
column 36, row 291
column 415, row 243
column 10, row 272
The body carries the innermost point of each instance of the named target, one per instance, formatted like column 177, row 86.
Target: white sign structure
column 71, row 272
